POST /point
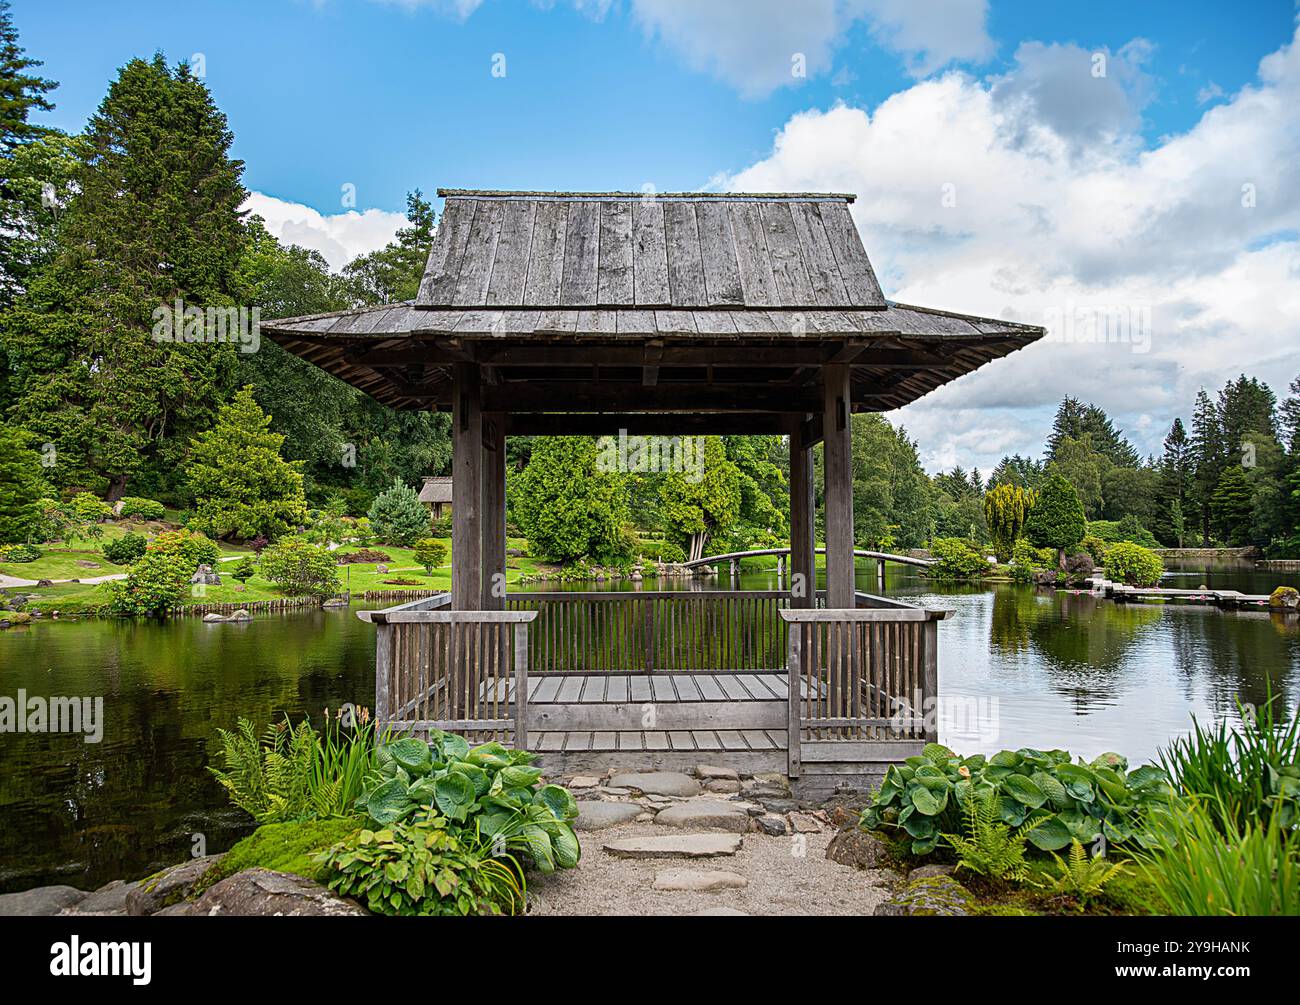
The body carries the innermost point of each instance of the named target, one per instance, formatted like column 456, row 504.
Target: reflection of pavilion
column 603, row 313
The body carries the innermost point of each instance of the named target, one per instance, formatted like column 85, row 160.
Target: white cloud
column 1047, row 224
column 340, row 237
column 751, row 44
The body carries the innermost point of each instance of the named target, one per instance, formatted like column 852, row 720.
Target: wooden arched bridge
column 733, row 558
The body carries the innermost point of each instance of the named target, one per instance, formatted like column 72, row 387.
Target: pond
column 1043, row 668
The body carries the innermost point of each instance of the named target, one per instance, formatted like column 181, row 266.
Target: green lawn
column 356, row 579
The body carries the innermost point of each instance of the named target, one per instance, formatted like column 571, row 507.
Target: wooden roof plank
column 751, row 254
column 788, row 270
column 581, row 255
column 855, row 268
column 722, row 284
column 614, row 271
column 510, row 266
column 546, row 255
column 476, row 264
column 443, row 267
column 636, row 322
column 649, row 255
column 685, row 267
column 823, row 271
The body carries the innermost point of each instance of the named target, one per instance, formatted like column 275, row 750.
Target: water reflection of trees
column 1080, row 641
column 1236, row 655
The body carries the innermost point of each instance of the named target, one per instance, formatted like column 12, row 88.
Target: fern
column 992, row 849
column 269, row 778
column 1082, row 876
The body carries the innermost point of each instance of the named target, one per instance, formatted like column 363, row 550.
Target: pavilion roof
column 619, row 302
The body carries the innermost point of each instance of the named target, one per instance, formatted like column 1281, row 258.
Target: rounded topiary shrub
column 135, row 507
column 126, row 549
column 956, row 559
column 1131, row 563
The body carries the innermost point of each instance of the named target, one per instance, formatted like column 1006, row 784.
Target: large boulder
column 1285, row 597
column 109, row 899
column 860, row 849
column 163, row 889
column 204, row 575
column 267, row 893
column 41, row 902
column 657, row 783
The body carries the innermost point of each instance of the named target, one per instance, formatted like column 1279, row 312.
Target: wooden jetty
column 1216, row 598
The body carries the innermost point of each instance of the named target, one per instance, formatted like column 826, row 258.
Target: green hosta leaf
column 1050, row 835
column 937, row 754
column 422, row 791
column 929, row 802
column 539, row 847
column 454, row 795
column 489, row 755
column 1110, row 759
column 454, row 747
column 559, row 801
column 1012, row 811
column 389, row 802
column 1005, row 759
column 925, row 845
column 1052, row 789
column 519, row 776
column 567, row 848
column 412, row 754
column 480, row 778
column 921, row 827
column 1023, row 790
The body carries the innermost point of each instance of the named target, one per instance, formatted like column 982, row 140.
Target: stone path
column 708, row 843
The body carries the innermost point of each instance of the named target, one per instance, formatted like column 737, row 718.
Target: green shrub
column 398, row 517
column 1095, row 547
column 194, row 549
column 301, row 569
column 423, row 868
column 141, row 509
column 489, row 790
column 925, row 797
column 660, row 551
column 1128, row 529
column 430, row 554
column 154, row 585
column 244, row 570
column 956, row 559
column 19, row 553
column 22, row 488
column 1025, row 558
column 125, row 549
column 89, row 508
column 1131, row 563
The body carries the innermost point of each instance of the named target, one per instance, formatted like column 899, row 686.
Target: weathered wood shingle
column 623, row 250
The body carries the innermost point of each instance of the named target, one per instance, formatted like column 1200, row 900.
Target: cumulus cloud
column 340, row 237
column 985, row 197
column 759, row 45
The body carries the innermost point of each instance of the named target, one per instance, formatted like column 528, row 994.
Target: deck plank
column 640, row 689
column 577, row 741
column 733, row 688
column 603, row 741
column 548, row 688
column 709, row 687
column 757, row 739
column 616, row 690
column 732, row 740
column 662, row 688
column 681, row 740
column 706, row 739
column 594, row 688
column 570, row 689
column 686, row 687
column 656, row 739
column 630, row 741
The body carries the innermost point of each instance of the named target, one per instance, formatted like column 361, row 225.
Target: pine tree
column 1076, row 421
column 393, row 273
column 242, row 486
column 21, row 486
column 20, row 91
column 1057, row 519
column 398, row 517
column 1289, row 418
column 1231, row 506
column 1207, row 461
column 156, row 217
column 1246, row 405
column 1175, row 473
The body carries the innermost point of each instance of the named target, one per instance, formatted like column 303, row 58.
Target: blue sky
column 1073, row 191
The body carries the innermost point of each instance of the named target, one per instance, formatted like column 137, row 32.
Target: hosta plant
column 423, row 868
column 490, row 791
column 925, row 795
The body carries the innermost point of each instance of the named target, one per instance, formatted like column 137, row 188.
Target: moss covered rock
column 286, row 847
column 1284, row 596
column 934, row 896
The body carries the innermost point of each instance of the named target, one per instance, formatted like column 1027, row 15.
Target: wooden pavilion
column 594, row 313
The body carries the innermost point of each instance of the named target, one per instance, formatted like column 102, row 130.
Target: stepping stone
column 676, row 846
column 596, row 815
column 709, row 771
column 657, row 783
column 699, row 880
column 583, row 782
column 724, row 786
column 710, row 814
column 805, row 824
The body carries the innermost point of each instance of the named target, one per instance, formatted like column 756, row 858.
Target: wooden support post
column 383, row 673
column 794, row 706
column 734, row 570
column 880, row 576
column 803, row 570
column 521, row 686
column 466, row 489
column 494, row 512
column 838, row 470
column 930, row 680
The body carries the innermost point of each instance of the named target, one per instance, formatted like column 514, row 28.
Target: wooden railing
column 651, row 631
column 463, row 671
column 859, row 677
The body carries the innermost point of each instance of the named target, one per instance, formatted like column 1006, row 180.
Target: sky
column 1127, row 174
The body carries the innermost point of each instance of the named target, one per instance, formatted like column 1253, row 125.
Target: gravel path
column 781, row 880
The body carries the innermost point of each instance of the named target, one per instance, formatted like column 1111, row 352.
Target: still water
column 1017, row 667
